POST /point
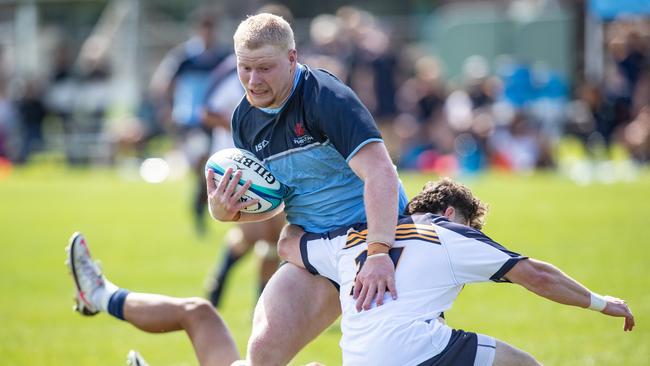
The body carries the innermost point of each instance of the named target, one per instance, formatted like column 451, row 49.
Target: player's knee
column 261, row 349
column 507, row 355
column 262, row 345
column 198, row 309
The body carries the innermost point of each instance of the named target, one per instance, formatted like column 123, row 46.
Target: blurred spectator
column 92, row 98
column 549, row 106
column 420, row 99
column 518, row 85
column 476, row 73
column 60, row 95
column 591, row 118
column 516, row 147
column 277, row 9
column 636, row 136
column 31, row 112
column 329, row 47
column 179, row 86
column 80, row 95
column 632, row 61
column 135, row 133
column 372, row 64
column 8, row 125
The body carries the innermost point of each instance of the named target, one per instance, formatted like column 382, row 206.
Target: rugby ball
column 268, row 190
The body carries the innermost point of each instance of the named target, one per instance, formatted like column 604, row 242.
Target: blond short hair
column 264, row 29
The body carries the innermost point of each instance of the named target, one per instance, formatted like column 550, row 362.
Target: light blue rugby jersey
column 307, row 144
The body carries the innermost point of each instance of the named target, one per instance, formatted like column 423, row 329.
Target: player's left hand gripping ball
column 265, row 187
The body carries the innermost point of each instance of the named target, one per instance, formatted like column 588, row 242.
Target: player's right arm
column 224, row 199
column 548, row 281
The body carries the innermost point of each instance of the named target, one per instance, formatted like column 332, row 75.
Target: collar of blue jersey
column 296, row 78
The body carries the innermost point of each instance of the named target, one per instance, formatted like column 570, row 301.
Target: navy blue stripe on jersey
column 507, row 266
column 304, row 251
column 471, row 233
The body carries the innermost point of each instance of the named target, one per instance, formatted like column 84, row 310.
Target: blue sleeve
column 335, row 111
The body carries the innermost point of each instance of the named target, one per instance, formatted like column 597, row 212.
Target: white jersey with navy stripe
column 434, row 259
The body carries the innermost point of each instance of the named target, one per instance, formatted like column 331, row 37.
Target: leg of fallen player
column 210, row 337
column 294, row 308
column 507, row 355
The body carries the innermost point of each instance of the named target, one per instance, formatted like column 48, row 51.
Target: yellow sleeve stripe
column 362, row 232
column 354, row 242
column 402, row 232
column 357, row 235
column 432, row 234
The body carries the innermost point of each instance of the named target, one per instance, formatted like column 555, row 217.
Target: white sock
column 102, row 295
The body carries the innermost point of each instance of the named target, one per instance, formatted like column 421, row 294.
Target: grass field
column 143, row 234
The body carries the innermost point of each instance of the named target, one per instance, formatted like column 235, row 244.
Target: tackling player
column 438, row 249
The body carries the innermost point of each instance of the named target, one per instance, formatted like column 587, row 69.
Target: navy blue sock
column 228, row 261
column 116, row 303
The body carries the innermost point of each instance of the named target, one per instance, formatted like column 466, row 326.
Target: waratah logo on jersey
column 302, row 138
column 299, row 129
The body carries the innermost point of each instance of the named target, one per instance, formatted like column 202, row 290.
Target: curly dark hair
column 435, row 197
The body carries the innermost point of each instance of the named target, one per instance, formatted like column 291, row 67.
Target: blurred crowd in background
column 486, row 111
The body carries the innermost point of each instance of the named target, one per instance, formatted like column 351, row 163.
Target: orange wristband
column 377, row 247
